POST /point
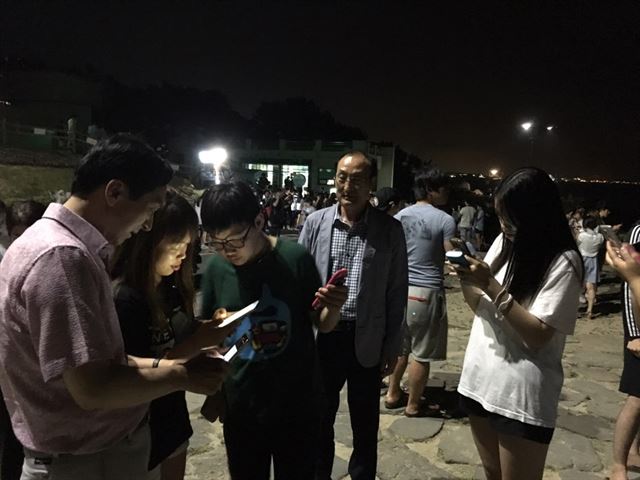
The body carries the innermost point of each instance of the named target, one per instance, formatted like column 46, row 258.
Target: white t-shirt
column 499, row 371
column 589, row 243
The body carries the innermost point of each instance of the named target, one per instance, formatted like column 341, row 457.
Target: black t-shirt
column 169, row 416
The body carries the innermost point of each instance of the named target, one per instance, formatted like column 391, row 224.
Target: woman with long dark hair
column 154, row 297
column 525, row 299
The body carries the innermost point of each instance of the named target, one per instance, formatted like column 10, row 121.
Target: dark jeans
column 291, row 444
column 11, row 454
column 339, row 365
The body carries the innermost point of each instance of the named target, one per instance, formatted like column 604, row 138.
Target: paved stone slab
column 586, row 425
column 606, row 410
column 211, row 466
column 342, row 430
column 571, row 451
column 573, row 475
column 457, row 446
column 340, row 468
column 571, row 398
column 396, row 462
column 595, row 391
column 416, row 429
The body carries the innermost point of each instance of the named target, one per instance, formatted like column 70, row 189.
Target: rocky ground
column 443, row 448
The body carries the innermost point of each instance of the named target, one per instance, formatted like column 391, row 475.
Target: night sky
column 452, row 85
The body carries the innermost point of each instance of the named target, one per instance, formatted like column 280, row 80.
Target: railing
column 42, row 138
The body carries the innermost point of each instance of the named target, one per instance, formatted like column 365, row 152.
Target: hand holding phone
column 337, row 278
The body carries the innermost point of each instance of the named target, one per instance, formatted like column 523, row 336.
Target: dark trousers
column 292, row 444
column 339, row 365
column 11, row 454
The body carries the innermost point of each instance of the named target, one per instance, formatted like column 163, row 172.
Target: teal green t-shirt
column 277, row 371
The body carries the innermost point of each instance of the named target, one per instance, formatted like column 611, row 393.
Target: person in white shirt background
column 589, row 244
column 525, row 299
column 467, row 215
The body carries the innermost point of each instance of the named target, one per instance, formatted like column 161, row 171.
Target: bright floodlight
column 494, row 172
column 215, row 156
column 549, row 128
column 526, row 126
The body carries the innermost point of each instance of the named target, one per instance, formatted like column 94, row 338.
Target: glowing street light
column 526, row 126
column 549, row 128
column 494, row 172
column 215, row 156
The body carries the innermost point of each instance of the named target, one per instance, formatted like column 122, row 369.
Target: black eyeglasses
column 233, row 244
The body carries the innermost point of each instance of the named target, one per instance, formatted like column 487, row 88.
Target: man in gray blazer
column 365, row 343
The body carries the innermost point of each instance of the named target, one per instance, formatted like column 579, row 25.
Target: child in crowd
column 590, row 243
column 525, row 299
column 154, row 297
column 271, row 397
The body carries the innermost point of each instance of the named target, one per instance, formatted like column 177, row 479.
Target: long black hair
column 529, row 200
column 135, row 260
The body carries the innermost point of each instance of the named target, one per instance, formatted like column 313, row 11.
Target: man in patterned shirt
column 370, row 245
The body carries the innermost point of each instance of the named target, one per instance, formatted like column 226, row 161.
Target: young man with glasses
column 272, row 394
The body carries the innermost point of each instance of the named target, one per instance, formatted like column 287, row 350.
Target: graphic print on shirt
column 415, row 227
column 268, row 328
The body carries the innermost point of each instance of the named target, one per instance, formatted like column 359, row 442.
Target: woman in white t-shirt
column 525, row 300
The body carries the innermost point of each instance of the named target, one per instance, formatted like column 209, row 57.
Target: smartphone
column 610, row 235
column 337, row 278
column 461, row 245
column 457, row 257
column 235, row 349
column 239, row 314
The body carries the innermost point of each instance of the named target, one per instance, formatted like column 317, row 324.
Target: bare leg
column 634, row 453
column 486, row 440
column 591, row 298
column 418, row 376
column 521, row 459
column 394, row 393
column 625, row 432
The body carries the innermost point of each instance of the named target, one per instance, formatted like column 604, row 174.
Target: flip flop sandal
column 401, row 402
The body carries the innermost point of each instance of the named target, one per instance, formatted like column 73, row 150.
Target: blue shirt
column 426, row 228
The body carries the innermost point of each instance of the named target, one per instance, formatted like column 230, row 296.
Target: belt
column 345, row 326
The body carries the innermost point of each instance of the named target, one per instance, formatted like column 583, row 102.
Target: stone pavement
column 443, row 449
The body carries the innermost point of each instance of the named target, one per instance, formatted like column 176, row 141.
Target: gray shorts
column 426, row 325
column 126, row 460
column 591, row 270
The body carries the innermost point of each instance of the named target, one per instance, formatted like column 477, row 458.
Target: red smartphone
column 337, row 278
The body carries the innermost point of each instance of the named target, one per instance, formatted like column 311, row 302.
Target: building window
column 326, row 176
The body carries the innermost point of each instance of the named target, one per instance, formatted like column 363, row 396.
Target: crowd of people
column 100, row 338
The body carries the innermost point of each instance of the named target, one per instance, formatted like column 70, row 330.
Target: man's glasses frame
column 233, row 244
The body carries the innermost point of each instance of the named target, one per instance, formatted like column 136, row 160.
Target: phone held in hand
column 337, row 278
column 609, row 234
column 236, row 348
column 461, row 245
column 457, row 257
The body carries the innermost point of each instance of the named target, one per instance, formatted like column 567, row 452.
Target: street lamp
column 549, row 128
column 215, row 156
column 526, row 126
column 494, row 172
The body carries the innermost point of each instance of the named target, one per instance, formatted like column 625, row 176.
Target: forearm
column 533, row 332
column 471, row 295
column 143, row 362
column 119, row 386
